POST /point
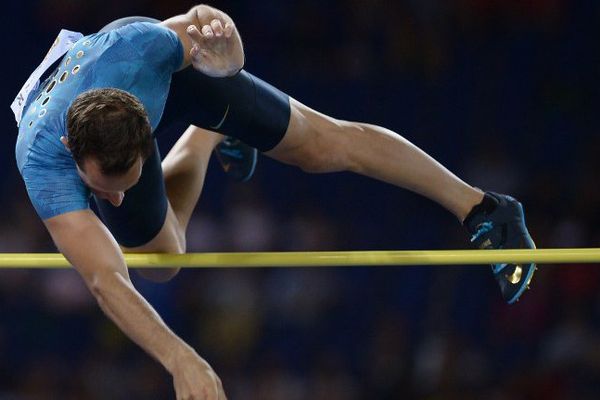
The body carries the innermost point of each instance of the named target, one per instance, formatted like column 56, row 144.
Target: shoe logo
column 217, row 126
column 482, row 229
column 516, row 276
column 233, row 153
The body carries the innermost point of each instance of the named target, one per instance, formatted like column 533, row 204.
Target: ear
column 65, row 143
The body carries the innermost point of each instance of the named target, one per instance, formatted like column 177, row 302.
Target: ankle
column 472, row 203
column 216, row 138
column 487, row 205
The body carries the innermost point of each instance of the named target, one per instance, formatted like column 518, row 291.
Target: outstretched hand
column 194, row 378
column 217, row 49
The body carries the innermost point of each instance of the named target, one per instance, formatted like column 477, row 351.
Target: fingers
column 207, row 31
column 229, row 28
column 222, row 30
column 199, row 38
column 194, row 34
column 214, row 29
column 217, row 27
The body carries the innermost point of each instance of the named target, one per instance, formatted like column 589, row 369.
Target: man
column 88, row 131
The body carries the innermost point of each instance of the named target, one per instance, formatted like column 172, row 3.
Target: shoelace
column 483, row 229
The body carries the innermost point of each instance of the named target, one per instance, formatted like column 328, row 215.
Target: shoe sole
column 533, row 268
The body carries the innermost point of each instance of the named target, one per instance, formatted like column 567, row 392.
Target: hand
column 194, row 379
column 217, row 49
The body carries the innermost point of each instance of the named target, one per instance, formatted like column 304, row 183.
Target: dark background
column 504, row 93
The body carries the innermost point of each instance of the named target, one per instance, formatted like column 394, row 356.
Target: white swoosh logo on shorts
column 222, row 120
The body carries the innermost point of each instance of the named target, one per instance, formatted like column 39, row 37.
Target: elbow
column 96, row 285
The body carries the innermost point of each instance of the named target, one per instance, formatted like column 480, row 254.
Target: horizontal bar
column 322, row 258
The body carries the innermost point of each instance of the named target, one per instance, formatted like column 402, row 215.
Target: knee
column 159, row 275
column 163, row 274
column 173, row 247
column 170, row 241
column 180, row 247
column 172, row 244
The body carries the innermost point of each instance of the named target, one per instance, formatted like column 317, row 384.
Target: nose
column 115, row 198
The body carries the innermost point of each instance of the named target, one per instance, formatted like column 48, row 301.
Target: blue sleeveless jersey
column 138, row 58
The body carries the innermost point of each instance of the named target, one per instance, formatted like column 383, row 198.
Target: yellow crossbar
column 322, row 258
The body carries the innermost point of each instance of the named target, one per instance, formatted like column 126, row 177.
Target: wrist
column 177, row 352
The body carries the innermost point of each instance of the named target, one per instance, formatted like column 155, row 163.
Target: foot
column 498, row 223
column 237, row 159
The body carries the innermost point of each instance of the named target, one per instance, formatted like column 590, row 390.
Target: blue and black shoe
column 237, row 159
column 498, row 223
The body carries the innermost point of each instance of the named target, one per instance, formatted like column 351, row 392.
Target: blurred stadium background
column 505, row 93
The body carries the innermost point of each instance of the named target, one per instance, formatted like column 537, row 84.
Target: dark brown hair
column 111, row 126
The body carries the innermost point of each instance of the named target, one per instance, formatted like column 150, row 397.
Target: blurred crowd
column 505, row 93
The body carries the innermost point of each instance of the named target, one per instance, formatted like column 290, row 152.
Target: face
column 110, row 188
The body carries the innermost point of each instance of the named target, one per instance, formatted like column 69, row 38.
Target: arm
column 90, row 247
column 210, row 41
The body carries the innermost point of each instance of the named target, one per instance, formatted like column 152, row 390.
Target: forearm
column 90, row 248
column 120, row 301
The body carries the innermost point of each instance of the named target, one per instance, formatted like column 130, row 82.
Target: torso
column 139, row 58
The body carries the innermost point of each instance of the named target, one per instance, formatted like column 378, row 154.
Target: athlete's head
column 109, row 136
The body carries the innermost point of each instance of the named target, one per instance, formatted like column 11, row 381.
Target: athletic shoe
column 498, row 223
column 237, row 159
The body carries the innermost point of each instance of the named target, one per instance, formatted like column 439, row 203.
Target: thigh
column 242, row 106
column 307, row 130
